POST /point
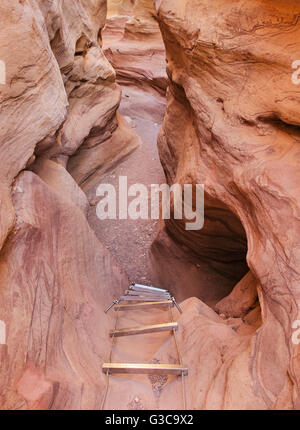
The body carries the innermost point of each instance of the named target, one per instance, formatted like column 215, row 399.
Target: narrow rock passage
column 143, row 106
column 129, row 240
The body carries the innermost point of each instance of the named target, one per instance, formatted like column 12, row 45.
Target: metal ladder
column 144, row 297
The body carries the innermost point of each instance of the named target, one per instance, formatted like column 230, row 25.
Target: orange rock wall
column 232, row 123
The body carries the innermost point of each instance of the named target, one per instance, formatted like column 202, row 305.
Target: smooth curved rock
column 56, row 280
column 59, row 85
column 242, row 298
column 59, row 93
column 120, row 7
column 232, row 124
column 143, row 22
column 99, row 158
column 135, row 48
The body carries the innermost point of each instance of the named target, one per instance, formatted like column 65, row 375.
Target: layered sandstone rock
column 60, row 88
column 55, row 280
column 59, row 94
column 143, row 23
column 134, row 46
column 120, row 8
column 232, row 124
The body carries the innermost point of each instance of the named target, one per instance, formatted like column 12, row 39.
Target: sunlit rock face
column 133, row 44
column 232, row 124
column 120, row 7
column 60, row 89
column 143, row 23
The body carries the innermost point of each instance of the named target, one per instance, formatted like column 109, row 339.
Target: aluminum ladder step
column 139, row 368
column 144, row 329
column 147, row 289
column 141, row 298
column 144, row 305
column 147, row 294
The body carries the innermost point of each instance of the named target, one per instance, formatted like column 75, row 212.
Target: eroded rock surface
column 60, row 89
column 232, row 124
column 59, row 94
column 133, row 44
column 55, row 280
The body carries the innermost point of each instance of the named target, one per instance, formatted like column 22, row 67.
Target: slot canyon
column 160, row 92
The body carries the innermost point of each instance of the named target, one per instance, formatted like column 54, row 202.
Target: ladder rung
column 144, row 305
column 145, row 329
column 139, row 287
column 141, row 298
column 163, row 369
column 146, row 294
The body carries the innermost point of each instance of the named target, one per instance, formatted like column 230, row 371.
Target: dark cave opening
column 204, row 263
